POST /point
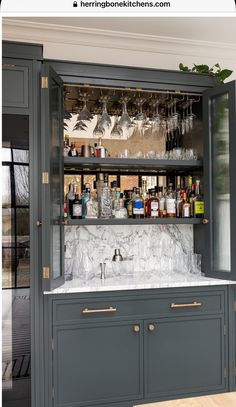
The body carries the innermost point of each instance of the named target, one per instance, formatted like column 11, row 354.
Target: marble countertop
column 145, row 281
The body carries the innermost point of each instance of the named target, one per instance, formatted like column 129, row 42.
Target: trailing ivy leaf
column 224, row 74
column 201, row 68
column 184, row 68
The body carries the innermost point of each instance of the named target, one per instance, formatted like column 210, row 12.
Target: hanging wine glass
column 125, row 121
column 84, row 114
column 140, row 116
column 156, row 116
column 175, row 114
column 117, row 131
column 105, row 121
column 191, row 116
column 98, row 130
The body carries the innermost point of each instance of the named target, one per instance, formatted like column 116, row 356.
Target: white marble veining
column 152, row 247
column 150, row 281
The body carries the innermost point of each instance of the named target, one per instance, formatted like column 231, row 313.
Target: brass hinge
column 225, row 329
column 53, row 393
column 44, row 82
column 8, row 66
column 52, row 344
column 225, row 372
column 45, row 178
column 234, row 305
column 46, row 272
column 234, row 370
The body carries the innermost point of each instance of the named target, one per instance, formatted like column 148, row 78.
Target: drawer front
column 171, row 305
column 15, row 87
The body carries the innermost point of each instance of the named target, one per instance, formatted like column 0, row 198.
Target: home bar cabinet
column 119, row 346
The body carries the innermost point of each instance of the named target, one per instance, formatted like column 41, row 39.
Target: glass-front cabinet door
column 52, row 179
column 220, row 169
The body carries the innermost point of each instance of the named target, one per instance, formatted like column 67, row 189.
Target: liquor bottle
column 138, row 205
column 121, row 211
column 162, row 201
column 198, row 203
column 92, row 207
column 65, row 211
column 191, row 200
column 185, row 207
column 66, row 148
column 85, row 199
column 179, row 204
column 153, row 205
column 105, row 201
column 73, row 151
column 100, row 151
column 170, row 202
column 144, row 195
column 129, row 203
column 77, row 208
column 70, row 196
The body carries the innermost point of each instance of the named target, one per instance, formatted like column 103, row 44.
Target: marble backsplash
column 148, row 247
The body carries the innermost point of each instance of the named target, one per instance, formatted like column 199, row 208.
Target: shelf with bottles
column 72, row 164
column 104, row 199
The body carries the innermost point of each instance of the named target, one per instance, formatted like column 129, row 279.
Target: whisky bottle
column 162, row 202
column 77, row 208
column 198, row 204
column 153, row 205
column 170, row 202
column 73, row 151
column 179, row 204
column 185, row 207
column 138, row 205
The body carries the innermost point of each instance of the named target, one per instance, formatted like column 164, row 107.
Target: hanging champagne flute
column 105, row 121
column 117, row 131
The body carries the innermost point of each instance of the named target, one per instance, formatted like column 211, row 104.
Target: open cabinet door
column 219, row 108
column 52, row 179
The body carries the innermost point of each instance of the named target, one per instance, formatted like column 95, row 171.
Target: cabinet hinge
column 44, row 82
column 53, row 393
column 225, row 372
column 45, row 178
column 225, row 329
column 234, row 305
column 234, row 370
column 46, row 272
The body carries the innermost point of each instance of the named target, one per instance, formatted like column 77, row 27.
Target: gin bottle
column 105, row 201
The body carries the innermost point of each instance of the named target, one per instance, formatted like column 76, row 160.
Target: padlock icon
column 75, row 4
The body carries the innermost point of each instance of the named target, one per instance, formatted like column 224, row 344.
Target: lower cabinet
column 120, row 350
column 184, row 356
column 99, row 363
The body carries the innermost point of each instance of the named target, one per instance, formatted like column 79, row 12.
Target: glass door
column 220, row 168
column 16, row 354
column 52, row 179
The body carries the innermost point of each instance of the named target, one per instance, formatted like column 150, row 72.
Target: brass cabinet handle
column 136, row 328
column 39, row 223
column 151, row 327
column 188, row 305
column 205, row 221
column 98, row 310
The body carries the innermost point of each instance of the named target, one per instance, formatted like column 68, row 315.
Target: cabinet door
column 52, row 179
column 15, row 84
column 220, row 187
column 97, row 364
column 184, row 356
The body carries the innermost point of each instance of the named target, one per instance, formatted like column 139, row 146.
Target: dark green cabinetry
column 143, row 345
column 15, row 83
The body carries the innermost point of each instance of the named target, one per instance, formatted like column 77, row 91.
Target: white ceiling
column 212, row 29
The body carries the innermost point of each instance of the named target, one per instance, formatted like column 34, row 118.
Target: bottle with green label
column 198, row 202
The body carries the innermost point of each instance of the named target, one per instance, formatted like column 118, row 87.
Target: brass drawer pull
column 136, row 328
column 190, row 305
column 98, row 310
column 151, row 327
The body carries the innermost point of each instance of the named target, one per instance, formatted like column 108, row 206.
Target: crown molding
column 44, row 33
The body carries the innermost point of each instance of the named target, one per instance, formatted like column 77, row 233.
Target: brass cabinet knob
column 205, row 221
column 151, row 327
column 136, row 328
column 39, row 223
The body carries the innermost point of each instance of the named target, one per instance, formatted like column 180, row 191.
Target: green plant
column 215, row 70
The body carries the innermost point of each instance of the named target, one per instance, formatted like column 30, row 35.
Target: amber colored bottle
column 153, row 205
column 185, row 207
